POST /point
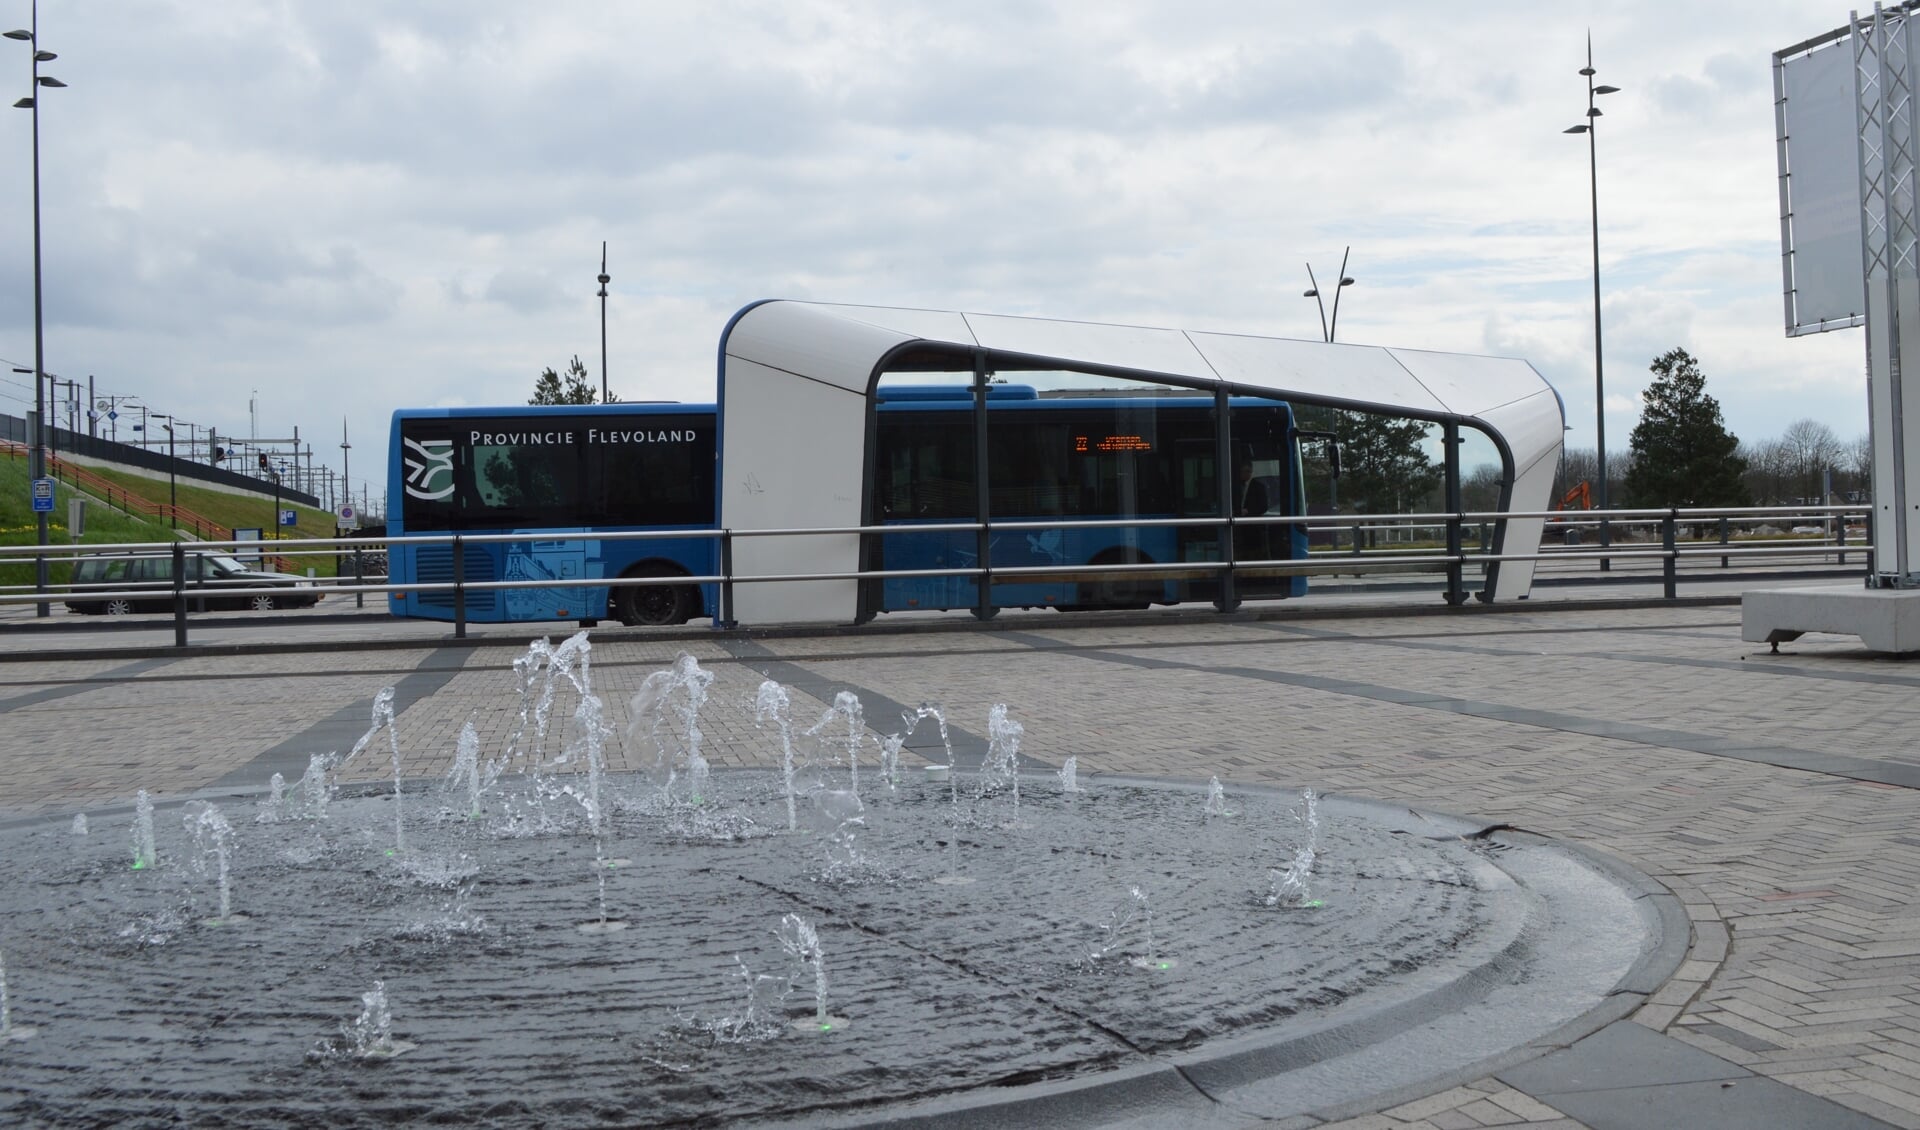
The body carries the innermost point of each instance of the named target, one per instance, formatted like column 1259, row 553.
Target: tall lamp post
column 173, row 487
column 1328, row 329
column 36, row 455
column 1589, row 127
column 605, row 278
column 346, row 484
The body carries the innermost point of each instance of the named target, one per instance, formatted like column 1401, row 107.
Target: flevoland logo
column 429, row 468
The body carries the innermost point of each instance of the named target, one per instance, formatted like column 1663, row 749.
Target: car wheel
column 262, row 602
column 116, row 607
column 654, row 605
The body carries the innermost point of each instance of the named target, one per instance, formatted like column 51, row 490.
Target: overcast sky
column 354, row 207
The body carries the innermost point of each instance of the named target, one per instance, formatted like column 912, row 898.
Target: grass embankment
column 19, row 525
column 234, row 511
column 106, row 525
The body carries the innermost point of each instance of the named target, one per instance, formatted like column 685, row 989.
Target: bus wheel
column 654, row 605
column 1120, row 591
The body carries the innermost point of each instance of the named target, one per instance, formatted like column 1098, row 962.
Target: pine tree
column 1384, row 468
column 549, row 389
column 1683, row 454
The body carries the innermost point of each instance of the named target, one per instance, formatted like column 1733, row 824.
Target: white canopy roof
column 795, row 378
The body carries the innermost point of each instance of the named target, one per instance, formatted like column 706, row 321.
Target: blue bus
column 555, row 476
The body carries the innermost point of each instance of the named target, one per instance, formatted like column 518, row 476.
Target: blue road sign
column 112, row 414
column 43, row 496
column 289, row 517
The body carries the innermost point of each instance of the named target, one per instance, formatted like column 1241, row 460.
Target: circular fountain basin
column 1016, row 995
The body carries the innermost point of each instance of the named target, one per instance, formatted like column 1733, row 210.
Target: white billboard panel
column 1820, row 189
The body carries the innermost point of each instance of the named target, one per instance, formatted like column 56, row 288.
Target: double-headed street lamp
column 36, row 457
column 1327, row 329
column 1589, row 127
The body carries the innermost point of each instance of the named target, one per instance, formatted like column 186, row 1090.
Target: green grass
column 108, row 525
column 235, row 511
column 18, row 524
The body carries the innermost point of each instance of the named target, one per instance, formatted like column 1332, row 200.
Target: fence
column 13, row 429
column 1460, row 542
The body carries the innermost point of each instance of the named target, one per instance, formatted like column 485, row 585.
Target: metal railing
column 1446, row 544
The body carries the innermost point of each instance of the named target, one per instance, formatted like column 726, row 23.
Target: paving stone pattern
column 1653, row 734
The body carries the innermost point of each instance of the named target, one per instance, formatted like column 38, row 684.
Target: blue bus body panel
column 542, row 556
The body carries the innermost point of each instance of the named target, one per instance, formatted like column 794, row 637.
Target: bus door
column 1199, row 498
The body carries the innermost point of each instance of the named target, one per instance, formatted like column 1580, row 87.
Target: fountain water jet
column 211, row 834
column 144, row 855
column 845, row 711
column 9, row 1030
column 770, row 703
column 802, row 943
column 1216, row 799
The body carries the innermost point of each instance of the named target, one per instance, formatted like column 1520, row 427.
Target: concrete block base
column 1884, row 619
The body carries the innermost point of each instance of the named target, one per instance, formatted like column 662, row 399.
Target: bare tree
column 1767, row 472
column 1810, row 448
column 1480, row 488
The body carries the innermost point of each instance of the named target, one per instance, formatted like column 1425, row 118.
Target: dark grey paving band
column 1712, row 745
column 969, row 749
column 1628, row 1077
column 338, row 731
column 1760, row 665
column 82, row 686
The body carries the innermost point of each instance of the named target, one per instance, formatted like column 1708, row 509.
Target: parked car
column 214, row 580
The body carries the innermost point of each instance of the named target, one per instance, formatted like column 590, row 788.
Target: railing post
column 1723, row 539
column 179, row 595
column 1456, row 584
column 459, row 588
column 360, row 574
column 1840, row 536
column 1456, row 581
column 1672, row 559
column 983, row 606
column 1227, row 599
column 726, row 580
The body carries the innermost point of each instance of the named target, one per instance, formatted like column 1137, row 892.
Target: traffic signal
column 263, row 461
column 219, row 454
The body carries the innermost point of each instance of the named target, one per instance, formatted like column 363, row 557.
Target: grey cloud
column 524, row 291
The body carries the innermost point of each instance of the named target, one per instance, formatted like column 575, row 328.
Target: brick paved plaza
column 1774, row 794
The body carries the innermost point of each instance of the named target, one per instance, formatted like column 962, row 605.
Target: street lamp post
column 1589, row 127
column 1328, row 329
column 173, row 487
column 36, row 455
column 605, row 278
column 346, row 484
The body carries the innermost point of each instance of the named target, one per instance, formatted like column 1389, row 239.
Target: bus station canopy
column 796, row 378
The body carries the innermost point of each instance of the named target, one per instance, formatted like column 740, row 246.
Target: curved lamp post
column 1327, row 329
column 36, row 455
column 1589, row 127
